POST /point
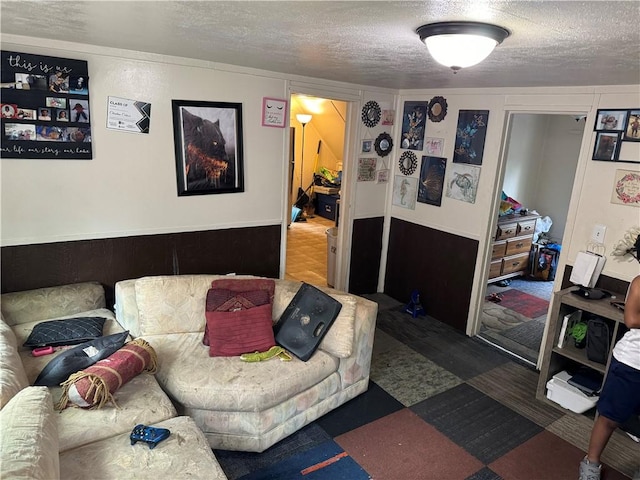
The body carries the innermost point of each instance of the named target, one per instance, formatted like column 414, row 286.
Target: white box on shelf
column 568, row 396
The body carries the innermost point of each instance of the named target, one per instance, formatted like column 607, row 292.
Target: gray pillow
column 69, row 331
column 78, row 358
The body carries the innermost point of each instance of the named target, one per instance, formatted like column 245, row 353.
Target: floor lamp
column 303, row 118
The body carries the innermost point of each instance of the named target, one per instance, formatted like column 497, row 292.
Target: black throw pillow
column 78, row 358
column 69, row 331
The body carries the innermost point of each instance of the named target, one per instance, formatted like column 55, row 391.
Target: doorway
column 315, row 184
column 541, row 157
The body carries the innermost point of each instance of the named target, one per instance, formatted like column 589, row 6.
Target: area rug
column 523, row 303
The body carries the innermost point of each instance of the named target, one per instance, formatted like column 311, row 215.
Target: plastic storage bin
column 332, row 249
column 568, row 396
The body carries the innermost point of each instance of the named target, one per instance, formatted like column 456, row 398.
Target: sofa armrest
column 48, row 303
column 126, row 307
column 357, row 366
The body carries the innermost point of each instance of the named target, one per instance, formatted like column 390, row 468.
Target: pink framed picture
column 274, row 112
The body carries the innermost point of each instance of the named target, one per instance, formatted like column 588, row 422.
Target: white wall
column 129, row 187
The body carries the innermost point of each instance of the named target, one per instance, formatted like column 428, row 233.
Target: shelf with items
column 568, row 357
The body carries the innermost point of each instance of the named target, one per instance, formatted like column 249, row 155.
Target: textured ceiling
column 552, row 43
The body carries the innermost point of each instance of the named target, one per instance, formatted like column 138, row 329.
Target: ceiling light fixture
column 461, row 44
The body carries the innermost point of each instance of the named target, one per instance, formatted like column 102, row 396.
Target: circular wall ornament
column 371, row 114
column 383, row 144
column 437, row 109
column 408, row 163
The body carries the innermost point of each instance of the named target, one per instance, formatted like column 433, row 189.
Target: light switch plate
column 598, row 233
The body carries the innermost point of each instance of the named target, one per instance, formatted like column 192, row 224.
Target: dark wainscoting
column 251, row 250
column 439, row 265
column 366, row 247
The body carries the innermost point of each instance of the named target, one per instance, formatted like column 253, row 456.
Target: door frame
column 352, row 97
column 568, row 105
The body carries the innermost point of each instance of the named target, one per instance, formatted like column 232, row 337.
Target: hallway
column 307, row 251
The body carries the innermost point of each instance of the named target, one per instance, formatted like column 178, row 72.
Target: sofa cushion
column 200, row 381
column 139, row 401
column 70, row 331
column 52, row 302
column 339, row 339
column 185, row 454
column 13, row 377
column 240, row 331
column 29, row 440
column 80, row 357
column 172, row 304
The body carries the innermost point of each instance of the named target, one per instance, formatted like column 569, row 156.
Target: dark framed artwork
column 607, row 146
column 611, row 120
column 470, row 136
column 208, row 146
column 414, row 118
column 431, row 182
column 632, row 129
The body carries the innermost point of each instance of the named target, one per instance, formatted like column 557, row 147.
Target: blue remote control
column 151, row 435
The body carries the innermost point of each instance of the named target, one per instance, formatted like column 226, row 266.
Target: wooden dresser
column 511, row 246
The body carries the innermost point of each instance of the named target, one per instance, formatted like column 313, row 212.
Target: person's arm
column 632, row 305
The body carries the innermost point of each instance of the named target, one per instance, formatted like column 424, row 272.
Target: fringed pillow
column 94, row 386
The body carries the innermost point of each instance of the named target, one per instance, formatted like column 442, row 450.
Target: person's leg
column 603, row 428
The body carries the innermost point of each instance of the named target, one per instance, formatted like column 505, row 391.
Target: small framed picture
column 607, row 146
column 274, row 112
column 611, row 121
column 367, row 145
column 367, row 169
column 9, row 110
column 44, row 114
column 56, row 102
column 434, row 146
column 632, row 130
column 383, row 176
column 387, row 117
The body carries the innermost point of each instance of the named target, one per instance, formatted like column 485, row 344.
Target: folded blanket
column 93, row 387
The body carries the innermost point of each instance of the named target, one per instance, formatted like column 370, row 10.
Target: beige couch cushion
column 338, row 340
column 172, row 304
column 29, row 440
column 185, row 454
column 13, row 378
column 49, row 303
column 196, row 380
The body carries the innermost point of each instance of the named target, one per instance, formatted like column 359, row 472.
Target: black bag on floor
column 598, row 340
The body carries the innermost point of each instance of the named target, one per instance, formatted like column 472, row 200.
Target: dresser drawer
column 526, row 228
column 499, row 249
column 506, row 230
column 518, row 245
column 495, row 269
column 515, row 263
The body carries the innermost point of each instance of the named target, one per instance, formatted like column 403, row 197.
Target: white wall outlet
column 598, row 233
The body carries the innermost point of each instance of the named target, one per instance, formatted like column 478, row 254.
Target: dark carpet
column 447, row 407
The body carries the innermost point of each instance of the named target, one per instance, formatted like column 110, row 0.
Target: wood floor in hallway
column 307, row 250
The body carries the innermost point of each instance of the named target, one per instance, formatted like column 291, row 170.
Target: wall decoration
column 434, row 146
column 383, row 144
column 367, row 169
column 408, row 163
column 274, row 112
column 626, row 188
column 413, row 125
column 462, row 182
column 367, row 146
column 128, row 115
column 470, row 136
column 611, row 120
column 382, row 176
column 371, row 114
column 607, row 146
column 404, row 191
column 437, row 109
column 431, row 183
column 632, row 130
column 387, row 117
column 208, row 147
column 45, row 107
